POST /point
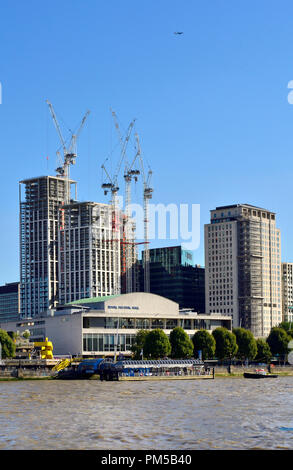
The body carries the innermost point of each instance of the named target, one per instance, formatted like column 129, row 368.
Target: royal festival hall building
column 102, row 326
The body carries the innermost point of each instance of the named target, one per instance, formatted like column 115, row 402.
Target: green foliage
column 138, row 345
column 181, row 344
column 26, row 334
column 278, row 340
column 263, row 351
column 247, row 347
column 290, row 333
column 285, row 325
column 226, row 346
column 8, row 346
column 157, row 344
column 203, row 341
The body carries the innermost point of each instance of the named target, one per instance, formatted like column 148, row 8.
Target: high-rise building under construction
column 41, row 199
column 243, row 267
column 68, row 251
column 89, row 257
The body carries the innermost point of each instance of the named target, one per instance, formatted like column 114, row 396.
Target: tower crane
column 69, row 153
column 147, row 195
column 112, row 186
column 115, row 229
column 129, row 173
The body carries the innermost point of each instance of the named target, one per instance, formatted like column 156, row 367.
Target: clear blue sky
column 211, row 105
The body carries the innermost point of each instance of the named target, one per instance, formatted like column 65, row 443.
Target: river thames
column 225, row 413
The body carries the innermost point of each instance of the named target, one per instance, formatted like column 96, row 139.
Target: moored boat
column 259, row 374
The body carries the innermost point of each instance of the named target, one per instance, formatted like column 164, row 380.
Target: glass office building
column 9, row 301
column 173, row 275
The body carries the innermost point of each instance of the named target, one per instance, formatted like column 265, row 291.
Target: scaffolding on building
column 250, row 276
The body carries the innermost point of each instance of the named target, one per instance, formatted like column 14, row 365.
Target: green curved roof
column 92, row 300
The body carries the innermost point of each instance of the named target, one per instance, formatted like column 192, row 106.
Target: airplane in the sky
column 179, row 32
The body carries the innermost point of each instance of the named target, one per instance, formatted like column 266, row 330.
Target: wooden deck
column 166, row 377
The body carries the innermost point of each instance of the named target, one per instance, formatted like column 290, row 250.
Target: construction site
column 70, row 249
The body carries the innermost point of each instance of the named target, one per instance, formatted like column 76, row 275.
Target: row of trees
column 221, row 344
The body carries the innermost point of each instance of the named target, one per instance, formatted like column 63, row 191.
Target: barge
column 164, row 369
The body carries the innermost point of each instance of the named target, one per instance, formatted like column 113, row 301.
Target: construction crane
column 111, row 185
column 129, row 173
column 147, row 195
column 69, row 153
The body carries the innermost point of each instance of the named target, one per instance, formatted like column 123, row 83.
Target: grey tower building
column 41, row 199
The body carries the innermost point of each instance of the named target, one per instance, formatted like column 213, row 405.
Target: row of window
column 103, row 342
column 135, row 323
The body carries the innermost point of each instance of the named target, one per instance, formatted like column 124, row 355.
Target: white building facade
column 107, row 326
column 89, row 258
column 243, row 267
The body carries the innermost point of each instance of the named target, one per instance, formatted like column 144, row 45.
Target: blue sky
column 211, row 105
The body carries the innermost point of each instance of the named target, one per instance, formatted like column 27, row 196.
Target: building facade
column 243, row 267
column 106, row 326
column 10, row 301
column 171, row 256
column 89, row 257
column 129, row 256
column 287, row 291
column 41, row 217
column 173, row 275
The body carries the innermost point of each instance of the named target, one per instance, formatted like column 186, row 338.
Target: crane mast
column 69, row 153
column 112, row 186
column 147, row 195
column 115, row 231
column 129, row 173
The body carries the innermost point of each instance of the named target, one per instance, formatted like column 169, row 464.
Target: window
column 170, row 324
column 157, row 323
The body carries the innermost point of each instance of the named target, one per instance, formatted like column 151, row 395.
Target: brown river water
column 225, row 413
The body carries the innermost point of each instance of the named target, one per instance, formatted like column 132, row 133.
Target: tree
column 8, row 346
column 263, row 351
column 181, row 344
column 278, row 341
column 247, row 348
column 226, row 346
column 138, row 345
column 286, row 325
column 203, row 341
column 26, row 334
column 157, row 344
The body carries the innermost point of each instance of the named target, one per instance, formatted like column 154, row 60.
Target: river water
column 225, row 413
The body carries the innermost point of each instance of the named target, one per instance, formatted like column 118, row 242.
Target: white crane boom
column 69, row 154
